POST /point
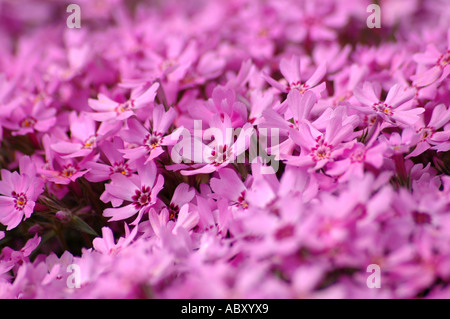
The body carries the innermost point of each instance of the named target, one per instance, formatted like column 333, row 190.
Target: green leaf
column 79, row 224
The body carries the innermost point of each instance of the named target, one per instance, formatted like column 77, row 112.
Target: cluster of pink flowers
column 93, row 173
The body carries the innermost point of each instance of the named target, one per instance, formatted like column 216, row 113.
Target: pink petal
column 120, row 213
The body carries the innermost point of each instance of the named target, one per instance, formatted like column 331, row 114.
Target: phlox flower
column 223, row 102
column 17, row 257
column 56, row 169
column 19, row 192
column 31, row 116
column 107, row 245
column 434, row 65
column 110, row 110
column 113, row 163
column 148, row 143
column 356, row 159
column 138, row 191
column 182, row 195
column 222, row 150
column 291, row 70
column 393, row 109
column 163, row 222
column 430, row 136
column 84, row 137
column 317, row 149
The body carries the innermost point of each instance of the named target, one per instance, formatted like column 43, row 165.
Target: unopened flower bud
column 64, row 216
column 35, row 229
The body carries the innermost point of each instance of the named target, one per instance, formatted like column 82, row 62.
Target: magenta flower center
column 357, row 156
column 421, row 218
column 241, row 200
column 321, row 151
column 28, row 122
column 220, row 154
column 383, row 108
column 121, row 168
column 20, row 200
column 127, row 106
column 444, row 60
column 302, row 88
column 426, row 132
column 90, row 142
column 153, row 140
column 68, row 170
column 142, row 197
column 174, row 210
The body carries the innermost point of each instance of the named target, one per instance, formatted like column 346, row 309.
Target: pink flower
column 107, row 245
column 110, row 110
column 31, row 116
column 231, row 187
column 392, row 110
column 114, row 163
column 434, row 65
column 356, row 159
column 19, row 193
column 319, row 149
column 57, row 169
column 223, row 149
column 84, row 137
column 182, row 195
column 430, row 137
column 148, row 143
column 140, row 191
column 20, row 256
column 291, row 71
column 222, row 102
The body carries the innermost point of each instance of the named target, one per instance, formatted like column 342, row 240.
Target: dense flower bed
column 224, row 149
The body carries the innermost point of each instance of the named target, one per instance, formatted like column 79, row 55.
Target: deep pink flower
column 222, row 150
column 393, row 109
column 139, row 191
column 317, row 149
column 107, row 245
column 291, row 71
column 430, row 136
column 434, row 65
column 110, row 110
column 114, row 162
column 31, row 116
column 19, row 193
column 84, row 136
column 148, row 143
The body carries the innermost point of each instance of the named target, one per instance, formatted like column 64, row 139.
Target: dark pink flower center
column 28, row 122
column 121, row 168
column 241, row 200
column 20, row 200
column 358, row 156
column 174, row 210
column 444, row 60
column 142, row 197
column 220, row 155
column 426, row 132
column 68, row 170
column 90, row 142
column 153, row 140
column 421, row 218
column 383, row 108
column 321, row 151
column 302, row 88
column 127, row 106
